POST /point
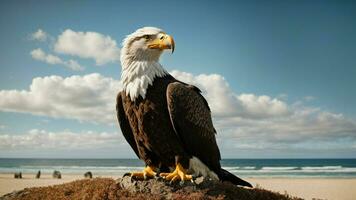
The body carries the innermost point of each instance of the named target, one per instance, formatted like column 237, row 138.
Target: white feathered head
column 145, row 44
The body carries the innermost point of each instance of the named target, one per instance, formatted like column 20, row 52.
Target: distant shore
column 308, row 188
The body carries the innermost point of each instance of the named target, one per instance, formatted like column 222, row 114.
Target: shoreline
column 308, row 188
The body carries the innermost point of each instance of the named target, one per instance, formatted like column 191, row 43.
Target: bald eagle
column 166, row 122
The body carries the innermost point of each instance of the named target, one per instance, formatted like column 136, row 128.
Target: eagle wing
column 191, row 118
column 124, row 124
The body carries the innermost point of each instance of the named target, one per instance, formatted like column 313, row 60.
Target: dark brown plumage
column 172, row 121
column 146, row 124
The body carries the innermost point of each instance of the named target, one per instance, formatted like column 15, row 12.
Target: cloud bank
column 244, row 121
column 84, row 98
column 41, row 139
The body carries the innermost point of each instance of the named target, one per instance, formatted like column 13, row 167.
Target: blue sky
column 299, row 54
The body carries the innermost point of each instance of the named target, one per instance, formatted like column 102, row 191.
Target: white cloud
column 103, row 49
column 249, row 121
column 39, row 35
column 262, row 106
column 66, row 143
column 243, row 121
column 41, row 139
column 85, row 98
column 39, row 54
column 74, row 65
column 224, row 102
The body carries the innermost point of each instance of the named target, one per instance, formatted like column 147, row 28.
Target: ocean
column 248, row 168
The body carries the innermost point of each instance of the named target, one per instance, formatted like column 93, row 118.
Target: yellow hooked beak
column 163, row 42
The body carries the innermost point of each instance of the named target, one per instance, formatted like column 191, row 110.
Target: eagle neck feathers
column 138, row 75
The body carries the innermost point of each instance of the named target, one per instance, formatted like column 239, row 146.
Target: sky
column 279, row 76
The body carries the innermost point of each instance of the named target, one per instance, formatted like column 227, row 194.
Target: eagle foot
column 146, row 173
column 178, row 174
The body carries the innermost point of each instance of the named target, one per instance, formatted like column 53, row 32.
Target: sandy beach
column 8, row 183
column 308, row 188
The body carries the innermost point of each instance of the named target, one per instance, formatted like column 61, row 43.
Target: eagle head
column 145, row 44
column 139, row 59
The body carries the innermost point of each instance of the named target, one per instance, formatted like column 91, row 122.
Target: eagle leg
column 178, row 174
column 146, row 173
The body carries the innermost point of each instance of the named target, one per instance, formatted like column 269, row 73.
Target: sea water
column 334, row 168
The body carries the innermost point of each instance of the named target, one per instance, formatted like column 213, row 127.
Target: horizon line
column 282, row 158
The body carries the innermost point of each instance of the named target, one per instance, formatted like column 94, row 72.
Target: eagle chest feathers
column 151, row 125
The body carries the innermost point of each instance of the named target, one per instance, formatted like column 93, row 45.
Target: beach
column 308, row 188
column 9, row 184
column 305, row 178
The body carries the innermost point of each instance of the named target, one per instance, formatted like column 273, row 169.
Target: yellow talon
column 175, row 178
column 146, row 173
column 178, row 174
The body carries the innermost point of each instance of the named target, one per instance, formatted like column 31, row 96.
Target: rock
column 57, row 174
column 153, row 186
column 88, row 175
column 38, row 175
column 199, row 180
column 18, row 175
